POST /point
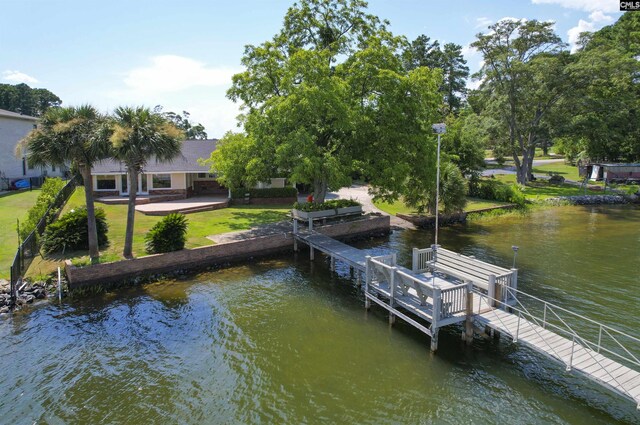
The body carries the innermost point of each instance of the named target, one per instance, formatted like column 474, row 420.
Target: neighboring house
column 13, row 128
column 614, row 173
column 182, row 177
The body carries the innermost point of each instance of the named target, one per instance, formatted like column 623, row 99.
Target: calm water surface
column 286, row 341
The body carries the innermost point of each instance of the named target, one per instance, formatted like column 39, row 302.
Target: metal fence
column 30, row 246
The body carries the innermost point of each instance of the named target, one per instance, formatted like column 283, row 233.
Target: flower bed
column 327, row 209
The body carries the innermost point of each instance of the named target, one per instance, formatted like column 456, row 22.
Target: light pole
column 439, row 129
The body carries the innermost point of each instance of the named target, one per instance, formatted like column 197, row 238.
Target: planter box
column 303, row 215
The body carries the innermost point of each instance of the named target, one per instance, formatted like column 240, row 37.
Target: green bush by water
column 497, row 191
column 69, row 232
column 169, row 234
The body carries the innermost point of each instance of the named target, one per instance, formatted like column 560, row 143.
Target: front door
column 142, row 184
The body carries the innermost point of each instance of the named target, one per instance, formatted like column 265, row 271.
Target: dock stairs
column 444, row 288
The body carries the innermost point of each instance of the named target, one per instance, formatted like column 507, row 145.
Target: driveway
column 511, row 169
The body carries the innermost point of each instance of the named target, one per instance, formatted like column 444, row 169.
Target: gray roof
column 9, row 114
column 192, row 150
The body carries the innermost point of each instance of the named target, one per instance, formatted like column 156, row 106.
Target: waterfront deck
column 444, row 288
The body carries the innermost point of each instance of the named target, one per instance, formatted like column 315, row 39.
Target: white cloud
column 597, row 20
column 599, row 16
column 483, row 22
column 584, row 5
column 170, row 73
column 18, row 77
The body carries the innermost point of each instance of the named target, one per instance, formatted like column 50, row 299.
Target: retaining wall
column 206, row 256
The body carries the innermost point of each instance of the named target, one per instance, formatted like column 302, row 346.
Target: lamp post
column 515, row 254
column 439, row 129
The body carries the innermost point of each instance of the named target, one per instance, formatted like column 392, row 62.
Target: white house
column 13, row 128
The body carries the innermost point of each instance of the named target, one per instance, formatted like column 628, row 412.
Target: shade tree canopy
column 328, row 97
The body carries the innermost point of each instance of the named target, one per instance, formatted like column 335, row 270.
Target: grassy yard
column 540, row 189
column 12, row 207
column 567, row 171
column 400, row 207
column 201, row 225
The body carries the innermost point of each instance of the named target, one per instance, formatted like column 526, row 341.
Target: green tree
column 423, row 52
column 73, row 135
column 232, row 161
column 464, row 142
column 600, row 117
column 23, row 99
column 329, row 96
column 139, row 135
column 192, row 131
column 524, row 77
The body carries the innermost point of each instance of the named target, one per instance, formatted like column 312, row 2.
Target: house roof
column 187, row 162
column 9, row 114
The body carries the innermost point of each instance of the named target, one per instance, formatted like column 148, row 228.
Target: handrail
column 584, row 343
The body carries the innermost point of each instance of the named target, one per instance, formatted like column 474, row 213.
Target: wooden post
column 414, row 260
column 437, row 301
column 434, row 248
column 367, row 281
column 358, row 279
column 310, row 224
column 469, row 318
column 333, row 263
column 392, row 290
column 492, row 290
column 295, row 232
column 311, row 254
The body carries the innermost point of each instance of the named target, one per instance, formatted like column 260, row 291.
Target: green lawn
column 567, row 171
column 12, row 207
column 540, row 189
column 400, row 207
column 200, row 226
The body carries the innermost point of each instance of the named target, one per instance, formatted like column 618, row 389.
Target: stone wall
column 203, row 257
column 593, row 200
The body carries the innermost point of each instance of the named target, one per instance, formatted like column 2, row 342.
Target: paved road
column 510, row 169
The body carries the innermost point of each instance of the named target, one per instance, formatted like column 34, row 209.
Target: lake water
column 286, row 341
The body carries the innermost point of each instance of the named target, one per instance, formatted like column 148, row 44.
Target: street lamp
column 439, row 129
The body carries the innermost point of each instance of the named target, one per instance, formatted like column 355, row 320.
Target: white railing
column 422, row 259
column 591, row 348
column 610, row 340
column 445, row 302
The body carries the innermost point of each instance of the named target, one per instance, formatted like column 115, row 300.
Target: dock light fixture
column 439, row 129
column 515, row 254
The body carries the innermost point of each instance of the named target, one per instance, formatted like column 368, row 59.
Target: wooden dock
column 443, row 288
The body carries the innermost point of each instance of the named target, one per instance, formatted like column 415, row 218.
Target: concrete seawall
column 206, row 256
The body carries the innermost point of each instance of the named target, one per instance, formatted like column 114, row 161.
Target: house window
column 206, row 175
column 53, row 168
column 106, row 182
column 162, row 181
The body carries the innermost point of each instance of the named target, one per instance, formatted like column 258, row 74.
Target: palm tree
column 138, row 135
column 71, row 135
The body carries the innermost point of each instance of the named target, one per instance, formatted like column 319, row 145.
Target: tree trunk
column 319, row 190
column 92, row 229
column 131, row 213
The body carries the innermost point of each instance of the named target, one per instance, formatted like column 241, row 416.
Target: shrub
column 169, row 234
column 453, row 189
column 327, row 205
column 495, row 190
column 48, row 193
column 273, row 192
column 70, row 232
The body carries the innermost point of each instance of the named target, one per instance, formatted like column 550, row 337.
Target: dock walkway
column 444, row 288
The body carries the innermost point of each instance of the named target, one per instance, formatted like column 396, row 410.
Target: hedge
column 273, row 192
column 496, row 190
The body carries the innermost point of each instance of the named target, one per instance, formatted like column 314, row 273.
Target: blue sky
column 181, row 54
